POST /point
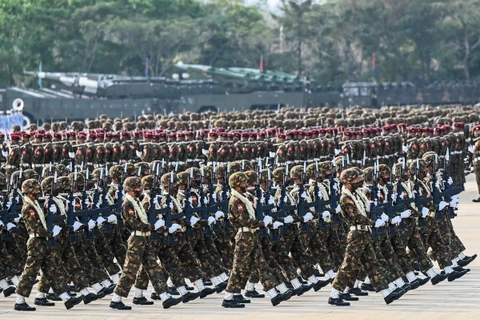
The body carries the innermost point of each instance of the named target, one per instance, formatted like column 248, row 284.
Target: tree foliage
column 333, row 40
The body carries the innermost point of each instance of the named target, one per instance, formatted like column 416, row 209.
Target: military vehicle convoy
column 77, row 96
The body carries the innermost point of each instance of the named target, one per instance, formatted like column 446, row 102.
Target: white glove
column 204, row 152
column 405, row 214
column 267, row 220
column 369, row 205
column 338, row 209
column 91, row 224
column 288, row 219
column 271, row 201
column 454, row 203
column 277, row 224
column 325, row 215
column 402, row 196
column 450, row 180
column 10, row 226
column 211, row 220
column 112, row 219
column 384, row 217
column 303, row 195
column 1, row 223
column 174, row 228
column 379, row 223
column 4, row 153
column 442, row 205
column 56, row 230
column 100, row 220
column 471, row 148
column 160, row 223
column 138, row 153
column 9, row 204
column 425, row 212
column 219, row 214
column 193, row 221
column 335, row 187
column 307, row 217
column 71, row 155
column 337, row 151
column 17, row 219
column 73, row 203
column 396, row 220
column 53, row 208
column 77, row 225
column 405, row 148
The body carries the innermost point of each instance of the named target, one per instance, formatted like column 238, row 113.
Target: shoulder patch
column 131, row 211
column 240, row 206
column 32, row 212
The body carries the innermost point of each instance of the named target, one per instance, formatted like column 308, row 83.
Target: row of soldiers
column 200, row 229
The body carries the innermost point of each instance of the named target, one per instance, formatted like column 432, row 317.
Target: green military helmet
column 235, row 167
column 351, row 175
column 31, row 186
column 183, row 177
column 147, row 182
column 61, row 170
column 167, row 178
column 143, row 167
column 236, row 179
column 97, row 173
column 311, row 169
column 264, row 175
column 368, row 173
column 384, row 171
column 422, row 166
column 220, row 170
column 30, row 174
column 47, row 184
column 194, row 172
column 64, row 184
column 278, row 174
column 116, row 171
column 296, row 172
column 16, row 177
column 324, row 167
column 252, row 177
column 131, row 172
column 80, row 182
column 429, row 157
column 132, row 183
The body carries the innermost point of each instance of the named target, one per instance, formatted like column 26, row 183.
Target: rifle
column 202, row 207
column 334, row 196
column 71, row 216
column 152, row 210
column 303, row 205
column 187, row 210
column 419, row 202
column 8, row 213
column 436, row 195
column 52, row 218
column 319, row 203
column 376, row 208
column 449, row 189
column 212, row 202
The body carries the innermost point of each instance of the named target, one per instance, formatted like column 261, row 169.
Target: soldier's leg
column 389, row 254
column 225, row 249
column 284, row 260
column 154, row 271
column 133, row 261
column 242, row 264
column 318, row 248
column 107, row 257
column 74, row 269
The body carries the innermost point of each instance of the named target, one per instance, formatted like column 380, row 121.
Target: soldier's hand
column 160, row 223
column 442, row 205
column 326, row 215
column 384, row 217
column 277, row 224
column 219, row 214
column 267, row 220
column 17, row 219
column 100, row 220
column 405, row 214
column 112, row 219
column 91, row 224
column 211, row 220
column 471, row 149
column 288, row 219
column 174, row 228
column 77, row 225
column 425, row 212
column 307, row 217
column 56, row 230
column 379, row 223
column 396, row 220
column 10, row 226
column 193, row 220
column 53, row 208
column 338, row 209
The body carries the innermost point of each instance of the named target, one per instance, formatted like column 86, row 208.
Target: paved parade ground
column 456, row 300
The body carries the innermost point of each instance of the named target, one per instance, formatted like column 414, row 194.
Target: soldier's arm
column 351, row 212
column 31, row 218
column 131, row 220
column 238, row 210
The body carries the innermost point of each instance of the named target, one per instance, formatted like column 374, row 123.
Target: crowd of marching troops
column 358, row 199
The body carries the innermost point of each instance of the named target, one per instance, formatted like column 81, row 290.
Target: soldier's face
column 137, row 192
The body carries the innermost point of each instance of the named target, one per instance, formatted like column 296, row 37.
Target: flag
column 261, row 63
column 146, row 67
column 40, row 79
column 374, row 65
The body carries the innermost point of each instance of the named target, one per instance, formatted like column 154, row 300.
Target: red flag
column 261, row 63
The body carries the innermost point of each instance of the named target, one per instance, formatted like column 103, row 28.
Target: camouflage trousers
column 316, row 242
column 140, row 252
column 359, row 254
column 188, row 258
column 247, row 257
column 9, row 265
column 283, row 259
column 450, row 238
column 21, row 238
column 105, row 254
column 67, row 264
column 476, row 168
column 209, row 266
column 169, row 262
column 90, row 261
column 39, row 257
column 431, row 237
column 458, row 246
column 411, row 238
column 335, row 246
column 271, row 261
column 295, row 244
column 457, row 169
column 224, row 247
column 114, row 239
